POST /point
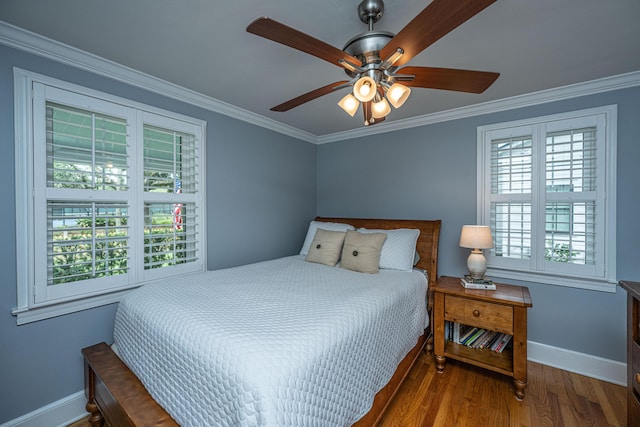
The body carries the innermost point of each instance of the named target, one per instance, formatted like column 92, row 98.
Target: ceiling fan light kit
column 380, row 109
column 364, row 89
column 349, row 104
column 371, row 59
column 397, row 94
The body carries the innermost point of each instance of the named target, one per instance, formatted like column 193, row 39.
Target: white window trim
column 608, row 282
column 27, row 310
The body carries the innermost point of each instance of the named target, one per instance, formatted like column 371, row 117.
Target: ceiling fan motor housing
column 366, row 47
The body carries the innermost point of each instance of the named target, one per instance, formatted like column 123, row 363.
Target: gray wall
column 429, row 172
column 261, row 194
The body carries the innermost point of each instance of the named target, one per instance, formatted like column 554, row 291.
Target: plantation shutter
column 548, row 194
column 170, row 184
column 169, row 161
column 109, row 196
column 571, row 198
column 85, row 150
column 511, row 175
column 85, row 217
column 87, row 240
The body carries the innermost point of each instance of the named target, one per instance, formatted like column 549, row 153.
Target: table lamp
column 476, row 237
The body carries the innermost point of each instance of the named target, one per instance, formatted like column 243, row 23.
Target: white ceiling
column 202, row 45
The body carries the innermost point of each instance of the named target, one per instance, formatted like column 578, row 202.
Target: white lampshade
column 365, row 89
column 476, row 237
column 398, row 94
column 380, row 109
column 349, row 104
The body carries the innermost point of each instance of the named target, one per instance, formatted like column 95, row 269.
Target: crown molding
column 605, row 84
column 39, row 45
column 36, row 44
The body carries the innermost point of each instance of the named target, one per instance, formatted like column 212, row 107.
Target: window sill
column 26, row 315
column 592, row 284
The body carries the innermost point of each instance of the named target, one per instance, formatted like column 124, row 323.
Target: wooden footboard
column 116, row 397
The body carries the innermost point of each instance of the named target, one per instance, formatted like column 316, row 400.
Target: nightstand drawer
column 497, row 317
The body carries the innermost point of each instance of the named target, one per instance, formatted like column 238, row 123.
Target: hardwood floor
column 466, row 396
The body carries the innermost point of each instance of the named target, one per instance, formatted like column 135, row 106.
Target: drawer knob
column 476, row 313
column 638, row 378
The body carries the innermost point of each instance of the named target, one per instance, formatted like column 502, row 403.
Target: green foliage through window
column 559, row 252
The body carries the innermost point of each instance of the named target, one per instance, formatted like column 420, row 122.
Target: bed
column 282, row 387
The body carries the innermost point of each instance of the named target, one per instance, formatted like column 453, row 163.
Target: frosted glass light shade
column 349, row 104
column 380, row 109
column 398, row 94
column 365, row 89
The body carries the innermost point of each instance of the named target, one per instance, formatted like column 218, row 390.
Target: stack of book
column 469, row 282
column 474, row 337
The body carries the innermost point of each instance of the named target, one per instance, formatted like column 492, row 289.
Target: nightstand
column 502, row 310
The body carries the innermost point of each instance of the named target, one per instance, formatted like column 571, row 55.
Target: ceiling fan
column 371, row 59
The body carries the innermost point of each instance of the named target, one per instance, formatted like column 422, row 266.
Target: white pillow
column 399, row 248
column 314, row 225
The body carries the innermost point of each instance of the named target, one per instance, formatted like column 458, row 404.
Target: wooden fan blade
column 286, row 106
column 280, row 33
column 449, row 79
column 434, row 22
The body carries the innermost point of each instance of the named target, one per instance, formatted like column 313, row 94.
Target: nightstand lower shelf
column 485, row 358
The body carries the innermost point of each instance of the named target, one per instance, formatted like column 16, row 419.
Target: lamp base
column 477, row 264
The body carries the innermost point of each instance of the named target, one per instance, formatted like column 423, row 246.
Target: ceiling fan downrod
column 366, row 47
column 370, row 11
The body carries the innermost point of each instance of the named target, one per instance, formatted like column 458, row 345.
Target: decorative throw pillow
column 326, row 247
column 314, row 225
column 399, row 249
column 361, row 252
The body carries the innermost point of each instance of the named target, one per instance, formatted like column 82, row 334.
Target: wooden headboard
column 427, row 245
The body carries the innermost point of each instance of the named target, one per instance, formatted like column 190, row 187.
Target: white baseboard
column 72, row 408
column 57, row 414
column 580, row 363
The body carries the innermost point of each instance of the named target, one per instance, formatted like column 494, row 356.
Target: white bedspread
column 278, row 343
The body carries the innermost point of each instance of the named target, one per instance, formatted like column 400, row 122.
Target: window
column 547, row 188
column 108, row 196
